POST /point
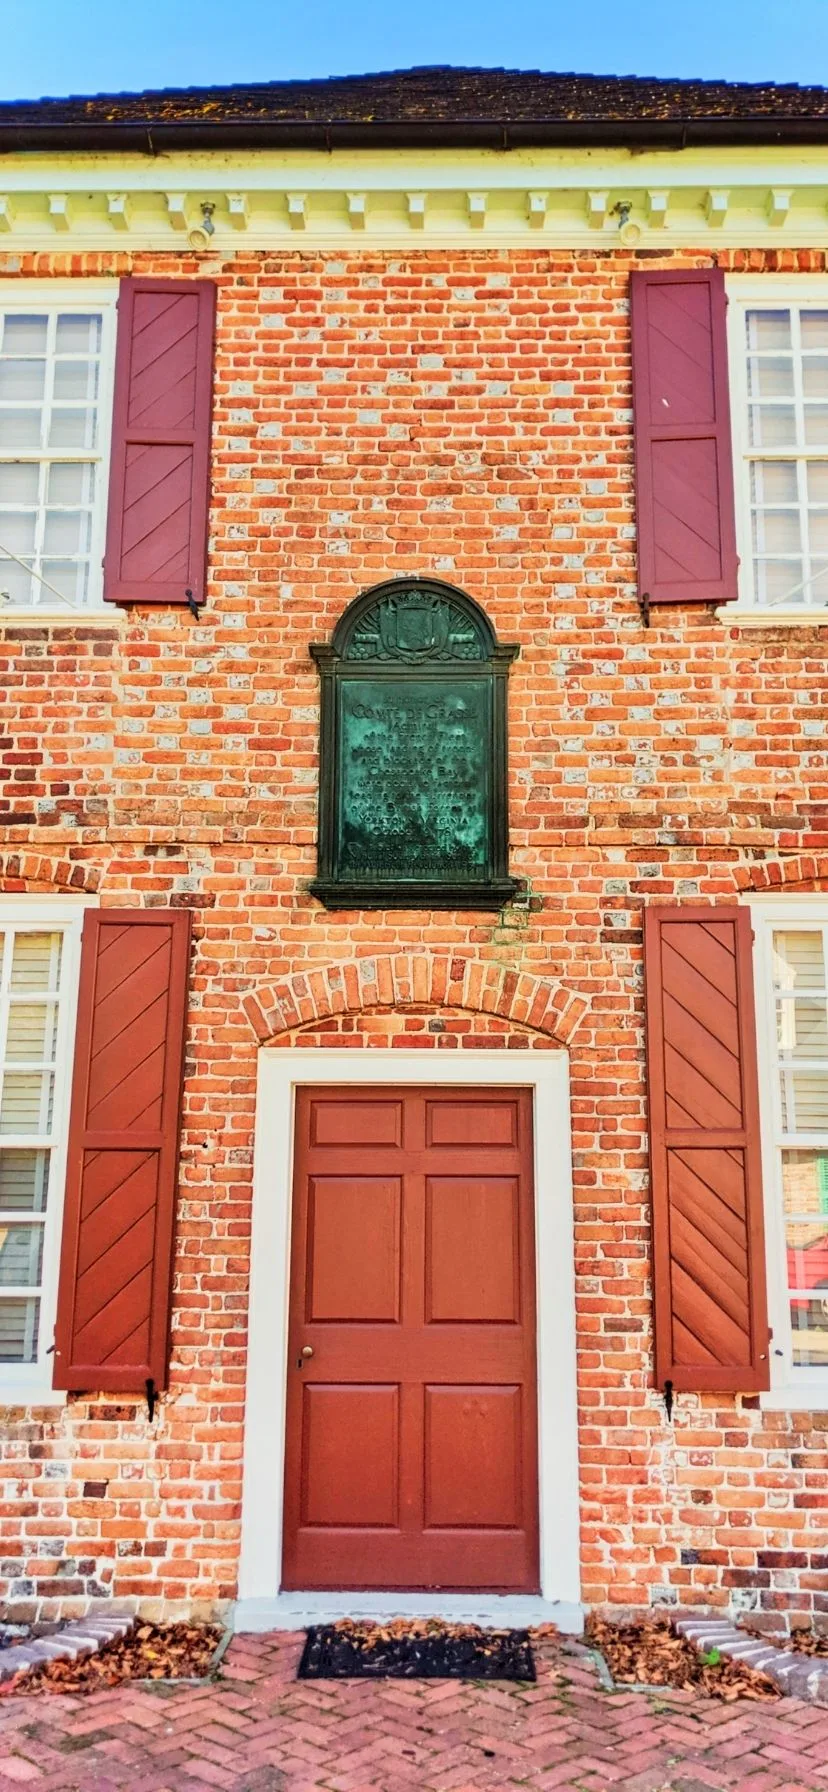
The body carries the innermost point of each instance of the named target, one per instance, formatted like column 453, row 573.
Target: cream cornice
column 567, row 199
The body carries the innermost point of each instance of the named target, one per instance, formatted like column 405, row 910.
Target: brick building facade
column 457, row 408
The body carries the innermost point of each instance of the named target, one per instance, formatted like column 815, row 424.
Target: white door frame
column 281, row 1072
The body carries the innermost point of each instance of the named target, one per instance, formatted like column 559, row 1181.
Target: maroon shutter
column 116, row 1262
column 711, row 1329
column 156, row 538
column 683, row 455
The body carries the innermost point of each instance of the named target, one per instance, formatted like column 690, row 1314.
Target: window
column 56, row 352
column 779, row 380
column 792, row 965
column 39, row 946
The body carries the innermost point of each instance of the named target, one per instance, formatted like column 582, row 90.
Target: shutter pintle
column 685, row 514
column 711, row 1327
column 113, row 1319
column 156, row 538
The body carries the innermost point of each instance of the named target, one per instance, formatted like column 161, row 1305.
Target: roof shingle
column 432, row 106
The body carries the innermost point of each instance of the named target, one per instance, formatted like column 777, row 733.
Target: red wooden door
column 411, row 1454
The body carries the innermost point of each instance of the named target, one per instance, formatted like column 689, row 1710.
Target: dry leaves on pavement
column 650, row 1653
column 150, row 1652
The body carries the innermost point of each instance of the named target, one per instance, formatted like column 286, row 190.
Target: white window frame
column 746, row 293
column 74, row 295
column 792, row 1387
column 30, row 1384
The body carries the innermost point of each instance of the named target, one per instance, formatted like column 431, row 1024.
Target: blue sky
column 88, row 46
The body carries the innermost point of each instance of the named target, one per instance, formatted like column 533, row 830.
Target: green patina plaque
column 412, row 809
column 414, row 776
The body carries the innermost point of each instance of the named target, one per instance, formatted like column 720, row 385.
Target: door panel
column 472, row 1249
column 354, row 1247
column 351, row 1446
column 411, row 1450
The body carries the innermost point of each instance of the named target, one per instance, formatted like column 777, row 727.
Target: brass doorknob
column 307, row 1350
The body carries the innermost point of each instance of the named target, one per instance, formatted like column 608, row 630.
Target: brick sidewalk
column 259, row 1730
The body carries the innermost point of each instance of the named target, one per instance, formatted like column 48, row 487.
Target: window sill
column 795, row 1399
column 21, row 1393
column 36, row 617
column 741, row 616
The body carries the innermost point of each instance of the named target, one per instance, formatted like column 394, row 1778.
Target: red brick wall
column 465, row 414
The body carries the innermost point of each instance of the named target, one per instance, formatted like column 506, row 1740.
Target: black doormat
column 427, row 1651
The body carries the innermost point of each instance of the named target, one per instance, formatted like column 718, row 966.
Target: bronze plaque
column 413, row 787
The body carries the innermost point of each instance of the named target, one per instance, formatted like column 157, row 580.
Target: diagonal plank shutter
column 156, row 539
column 113, row 1317
column 711, row 1329
column 683, row 457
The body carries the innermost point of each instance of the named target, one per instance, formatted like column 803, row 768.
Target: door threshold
column 295, row 1611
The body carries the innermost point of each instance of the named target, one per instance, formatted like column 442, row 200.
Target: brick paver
column 258, row 1729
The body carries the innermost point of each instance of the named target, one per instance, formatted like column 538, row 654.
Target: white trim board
column 792, row 1389
column 546, row 1073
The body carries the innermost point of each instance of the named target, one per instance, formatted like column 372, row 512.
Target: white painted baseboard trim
column 511, row 1611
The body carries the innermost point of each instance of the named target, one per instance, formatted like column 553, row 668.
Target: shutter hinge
column 194, row 608
column 644, row 606
column 668, row 1400
column 152, row 1398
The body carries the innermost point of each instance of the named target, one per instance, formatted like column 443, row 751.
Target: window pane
column 79, row 380
column 817, row 481
column 24, row 1181
column 36, row 962
column 805, row 1183
column 818, row 531
column 70, row 484
column 814, row 329
column 19, row 482
column 769, row 329
column 22, row 379
column 25, row 335
column 809, row 1327
column 72, row 429
column 67, row 532
column 816, row 423
column 772, row 425
column 16, row 583
column 798, row 959
column 804, row 1101
column 779, row 581
column 818, row 583
column 26, row 1105
column 69, row 576
column 78, row 333
column 815, row 376
column 19, row 429
column 777, row 532
column 19, row 1320
column 17, row 531
column 32, row 1032
column 775, row 482
column 771, row 377
column 802, row 1028
column 21, row 1256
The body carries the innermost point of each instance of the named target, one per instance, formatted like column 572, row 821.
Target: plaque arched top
column 415, row 622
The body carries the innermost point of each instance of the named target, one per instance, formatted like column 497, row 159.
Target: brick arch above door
column 397, row 981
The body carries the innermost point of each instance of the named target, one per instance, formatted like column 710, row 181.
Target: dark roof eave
column 149, row 137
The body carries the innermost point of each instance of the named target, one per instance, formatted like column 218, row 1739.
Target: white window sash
column 748, row 293
column 31, row 1383
column 70, row 295
column 793, row 1386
